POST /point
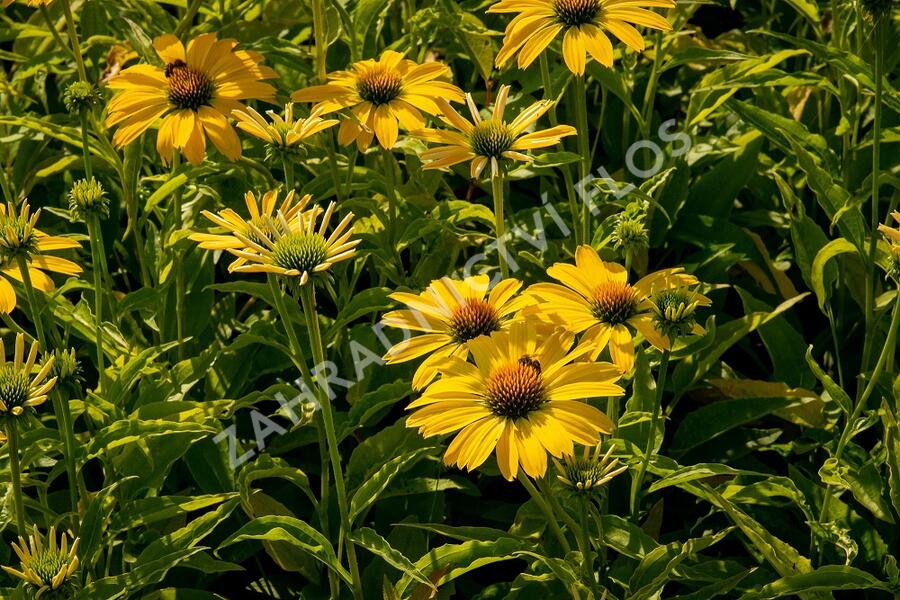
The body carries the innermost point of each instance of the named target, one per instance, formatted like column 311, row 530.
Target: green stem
column 566, row 172
column 297, row 356
column 60, row 405
column 638, row 481
column 875, row 216
column 73, row 39
column 846, row 434
column 96, row 237
column 180, row 292
column 53, row 31
column 185, row 24
column 308, row 298
column 288, row 173
column 387, row 158
column 545, row 508
column 333, row 167
column 499, row 220
column 320, row 39
column 15, row 474
column 584, row 140
column 4, row 185
column 85, row 145
column 585, row 543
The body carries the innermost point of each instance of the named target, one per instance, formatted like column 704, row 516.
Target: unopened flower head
column 49, row 569
column 629, row 233
column 87, row 198
column 80, row 96
column 674, row 312
column 283, row 134
column 65, row 365
column 588, row 473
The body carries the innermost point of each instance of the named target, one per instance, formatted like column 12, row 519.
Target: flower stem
column 320, row 38
column 567, row 173
column 15, row 474
column 584, row 141
column 180, row 292
column 638, row 481
column 888, row 347
column 53, row 31
column 584, row 541
column 288, row 173
column 73, row 39
column 387, row 158
column 85, row 144
column 875, row 216
column 60, row 405
column 185, row 24
column 545, row 508
column 95, row 233
column 296, row 356
column 499, row 220
column 308, row 298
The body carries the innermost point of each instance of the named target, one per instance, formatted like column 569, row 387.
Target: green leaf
column 829, row 578
column 836, row 392
column 297, row 533
column 377, row 545
column 372, row 488
column 829, row 251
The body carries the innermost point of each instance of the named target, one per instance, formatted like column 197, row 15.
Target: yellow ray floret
column 584, row 25
column 381, row 96
column 488, row 141
column 524, row 398
column 193, row 94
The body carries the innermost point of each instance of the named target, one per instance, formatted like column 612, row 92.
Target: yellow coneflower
column 20, row 239
column 295, row 248
column 597, row 299
column 260, row 212
column 379, row 94
column 48, row 568
column 484, row 141
column 583, row 23
column 892, row 234
column 589, row 472
column 450, row 313
column 193, row 94
column 19, row 389
column 283, row 132
column 523, row 396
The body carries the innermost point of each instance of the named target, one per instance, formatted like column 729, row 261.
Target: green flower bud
column 87, row 198
column 80, row 96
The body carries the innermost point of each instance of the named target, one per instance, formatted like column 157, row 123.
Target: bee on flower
column 191, row 96
column 522, row 398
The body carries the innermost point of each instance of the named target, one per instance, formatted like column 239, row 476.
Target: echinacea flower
column 295, row 248
column 523, row 397
column 20, row 389
column 193, row 94
column 31, row 3
column 20, row 239
column 260, row 211
column 596, row 298
column 893, row 235
column 583, row 23
column 589, row 472
column 450, row 313
column 48, row 568
column 379, row 94
column 485, row 141
column 282, row 132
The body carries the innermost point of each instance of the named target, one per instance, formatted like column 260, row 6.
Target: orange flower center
column 614, row 302
column 490, row 138
column 379, row 85
column 516, row 389
column 573, row 13
column 473, row 318
column 189, row 89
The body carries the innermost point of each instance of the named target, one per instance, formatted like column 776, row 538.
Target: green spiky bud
column 87, row 198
